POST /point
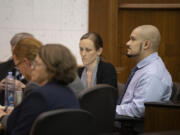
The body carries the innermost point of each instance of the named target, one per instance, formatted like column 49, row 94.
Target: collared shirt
column 152, row 82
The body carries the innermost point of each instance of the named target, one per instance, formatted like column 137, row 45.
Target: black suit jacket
column 49, row 97
column 5, row 67
column 106, row 74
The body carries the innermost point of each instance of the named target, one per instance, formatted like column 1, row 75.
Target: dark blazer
column 5, row 67
column 106, row 74
column 29, row 87
column 49, row 97
column 26, row 91
column 9, row 66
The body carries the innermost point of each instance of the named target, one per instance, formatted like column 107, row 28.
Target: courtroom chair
column 100, row 100
column 175, row 97
column 64, row 122
column 127, row 125
column 120, row 88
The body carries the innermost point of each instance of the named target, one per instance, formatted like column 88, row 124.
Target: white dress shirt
column 152, row 82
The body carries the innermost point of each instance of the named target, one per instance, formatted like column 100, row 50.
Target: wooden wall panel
column 115, row 19
column 103, row 19
column 149, row 1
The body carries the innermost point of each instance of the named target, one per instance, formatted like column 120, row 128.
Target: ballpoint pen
column 5, row 109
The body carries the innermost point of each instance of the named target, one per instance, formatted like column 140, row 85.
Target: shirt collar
column 147, row 60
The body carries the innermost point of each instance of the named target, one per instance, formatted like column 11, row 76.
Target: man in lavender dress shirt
column 152, row 81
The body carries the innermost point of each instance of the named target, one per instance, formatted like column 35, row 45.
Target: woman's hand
column 2, row 113
column 2, row 84
column 19, row 85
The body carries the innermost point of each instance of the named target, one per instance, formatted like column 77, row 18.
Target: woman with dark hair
column 54, row 67
column 95, row 71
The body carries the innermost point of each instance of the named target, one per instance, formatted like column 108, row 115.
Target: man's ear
column 147, row 44
column 100, row 50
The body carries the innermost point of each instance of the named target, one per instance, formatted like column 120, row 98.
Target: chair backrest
column 175, row 97
column 120, row 88
column 100, row 100
column 64, row 122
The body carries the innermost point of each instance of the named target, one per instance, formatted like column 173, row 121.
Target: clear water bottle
column 9, row 90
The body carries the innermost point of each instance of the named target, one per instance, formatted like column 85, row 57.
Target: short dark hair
column 60, row 62
column 95, row 38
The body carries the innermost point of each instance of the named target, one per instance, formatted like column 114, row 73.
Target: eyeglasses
column 34, row 64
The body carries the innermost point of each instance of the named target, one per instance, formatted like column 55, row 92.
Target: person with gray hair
column 149, row 79
column 17, row 37
column 8, row 66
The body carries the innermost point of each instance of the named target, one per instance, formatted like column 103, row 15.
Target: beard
column 136, row 54
column 129, row 55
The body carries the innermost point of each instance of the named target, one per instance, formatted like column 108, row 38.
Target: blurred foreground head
column 54, row 62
